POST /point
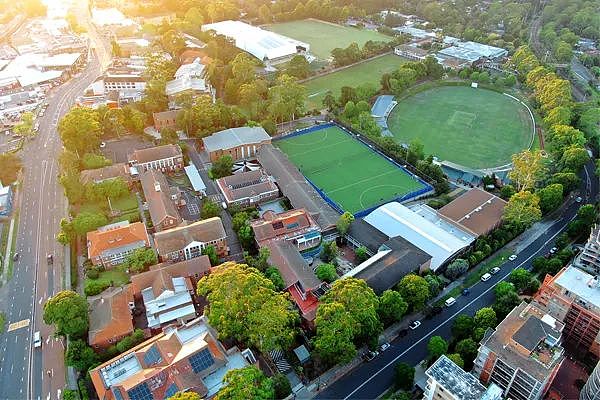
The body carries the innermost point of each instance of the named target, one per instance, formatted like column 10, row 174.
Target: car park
column 485, row 277
column 512, row 257
column 494, row 270
column 414, row 325
column 450, row 301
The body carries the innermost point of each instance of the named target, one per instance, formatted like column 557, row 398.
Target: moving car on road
column 37, row 339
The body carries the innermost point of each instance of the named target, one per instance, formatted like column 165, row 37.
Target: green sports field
column 476, row 128
column 367, row 72
column 325, row 36
column 347, row 171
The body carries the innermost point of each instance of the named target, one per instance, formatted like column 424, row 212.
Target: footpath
column 391, row 333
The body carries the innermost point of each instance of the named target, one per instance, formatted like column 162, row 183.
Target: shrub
column 457, row 268
column 94, row 287
column 326, row 272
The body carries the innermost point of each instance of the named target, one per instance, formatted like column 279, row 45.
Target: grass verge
column 13, row 246
column 2, row 321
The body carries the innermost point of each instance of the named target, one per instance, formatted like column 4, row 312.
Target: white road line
column 451, row 317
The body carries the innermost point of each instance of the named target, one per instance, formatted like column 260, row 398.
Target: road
column 25, row 372
column 371, row 380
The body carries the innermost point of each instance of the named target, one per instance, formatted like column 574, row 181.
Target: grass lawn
column 116, row 275
column 126, row 204
column 326, row 36
column 347, row 171
column 476, row 128
column 367, row 72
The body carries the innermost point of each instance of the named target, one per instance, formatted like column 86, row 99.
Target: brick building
column 187, row 241
column 239, row 143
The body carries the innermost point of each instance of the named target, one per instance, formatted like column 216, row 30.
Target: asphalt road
column 372, row 379
column 25, row 372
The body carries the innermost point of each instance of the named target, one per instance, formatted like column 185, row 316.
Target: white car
column 37, row 339
column 513, row 257
column 102, row 145
column 383, row 347
column 414, row 325
column 485, row 277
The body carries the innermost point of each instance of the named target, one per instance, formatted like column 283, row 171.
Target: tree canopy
column 522, row 210
column 414, row 290
column 246, row 383
column 68, row 312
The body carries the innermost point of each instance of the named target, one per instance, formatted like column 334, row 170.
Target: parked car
column 512, row 257
column 50, row 259
column 578, row 199
column 37, row 339
column 15, row 256
column 494, row 270
column 553, row 250
column 485, row 277
column 414, row 325
column 466, row 291
column 370, row 355
column 450, row 301
column 384, row 346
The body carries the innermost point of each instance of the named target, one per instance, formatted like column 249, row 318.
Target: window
column 202, row 360
column 152, row 356
column 140, row 392
column 171, row 390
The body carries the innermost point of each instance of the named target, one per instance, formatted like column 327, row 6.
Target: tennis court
column 348, row 172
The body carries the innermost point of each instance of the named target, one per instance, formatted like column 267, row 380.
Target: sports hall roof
column 262, row 44
column 423, row 228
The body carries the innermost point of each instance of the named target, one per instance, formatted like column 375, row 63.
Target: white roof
column 262, row 44
column 110, row 16
column 415, row 32
column 194, row 176
column 436, row 237
column 193, row 69
column 581, row 284
column 28, row 69
column 234, row 137
column 184, row 83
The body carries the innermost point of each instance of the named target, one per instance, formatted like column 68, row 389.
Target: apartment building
column 591, row 389
column 187, row 241
column 183, row 358
column 163, row 158
column 573, row 297
column 589, row 258
column 522, row 355
column 448, row 381
column 110, row 245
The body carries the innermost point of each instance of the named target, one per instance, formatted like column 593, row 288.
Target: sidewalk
column 7, row 256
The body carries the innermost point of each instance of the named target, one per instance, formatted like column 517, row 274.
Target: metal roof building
column 234, row 137
column 262, row 44
column 195, row 179
column 422, row 227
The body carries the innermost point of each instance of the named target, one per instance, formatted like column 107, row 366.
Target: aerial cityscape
column 298, row 199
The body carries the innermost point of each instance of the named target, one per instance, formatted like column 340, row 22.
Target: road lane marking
column 534, row 254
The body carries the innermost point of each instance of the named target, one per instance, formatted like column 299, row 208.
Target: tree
column 485, row 318
column 329, row 101
column 298, row 67
column 520, row 278
column 10, row 165
column 361, row 254
column 222, row 167
column 274, row 276
column 456, row 268
column 404, row 376
column 436, row 347
column 343, row 223
column 246, row 383
column 80, row 356
column 505, row 304
column 168, row 136
column 68, row 312
column 574, row 158
column 94, row 161
column 245, row 306
column 456, row 359
column 211, row 252
column 503, row 289
column 528, row 169
column 281, row 385
column 435, row 284
column 286, row 99
column 34, row 8
column 140, row 259
column 79, row 130
column 185, row 396
column 25, row 126
column 391, row 307
column 522, row 210
column 329, row 252
column 360, row 302
column 265, row 14
column 85, row 222
column 326, row 273
column 467, row 348
column 335, row 333
column 569, row 180
column 550, row 197
column 415, row 290
column 462, row 326
column 210, row 209
column 261, row 261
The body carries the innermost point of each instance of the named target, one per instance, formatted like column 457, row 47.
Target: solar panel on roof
column 171, row 391
column 140, row 392
column 152, row 356
column 201, row 361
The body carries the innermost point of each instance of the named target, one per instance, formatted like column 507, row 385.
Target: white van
column 37, row 339
column 450, row 301
column 485, row 277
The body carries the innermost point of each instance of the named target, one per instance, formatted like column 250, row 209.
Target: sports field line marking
column 322, row 139
column 322, row 147
column 361, row 181
column 360, row 199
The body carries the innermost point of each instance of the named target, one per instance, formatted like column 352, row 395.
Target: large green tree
column 10, row 165
column 414, row 290
column 522, row 210
column 141, row 259
column 485, row 318
column 462, row 326
column 80, row 356
column 391, row 307
column 335, row 333
column 436, row 347
column 246, row 383
column 551, row 197
column 404, row 376
column 244, row 305
column 298, row 67
column 343, row 223
column 68, row 312
column 80, row 130
column 222, row 167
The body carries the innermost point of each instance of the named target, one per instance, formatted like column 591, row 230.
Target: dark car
column 50, row 259
column 466, row 291
column 15, row 256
